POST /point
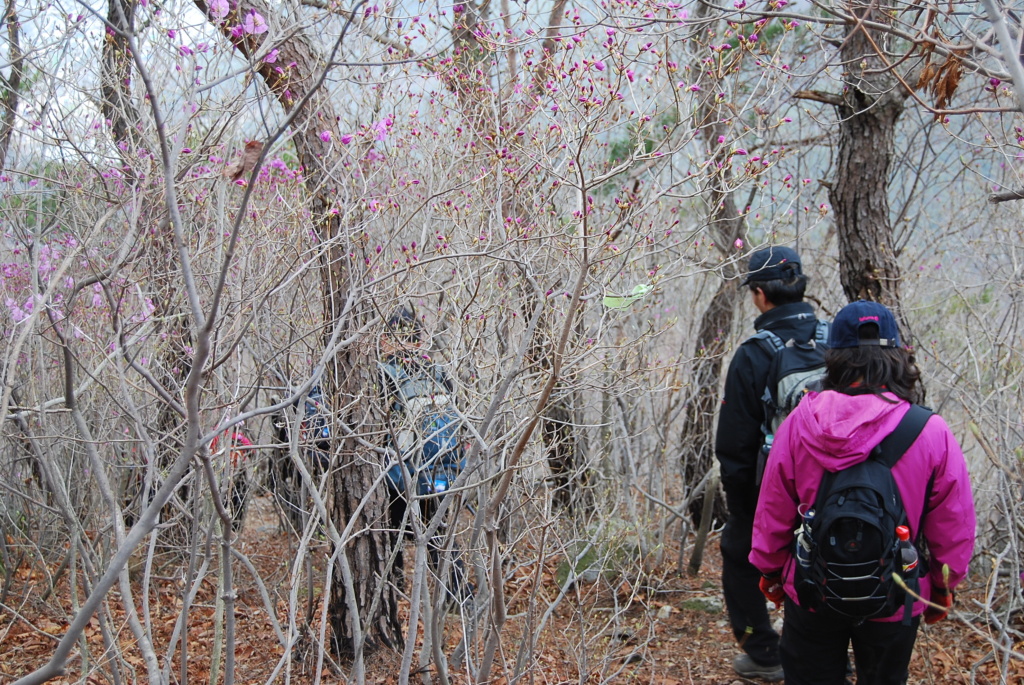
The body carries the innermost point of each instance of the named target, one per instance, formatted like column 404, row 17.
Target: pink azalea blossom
column 255, row 23
column 271, row 56
column 325, row 136
column 382, row 128
column 17, row 313
column 219, row 9
column 346, row 139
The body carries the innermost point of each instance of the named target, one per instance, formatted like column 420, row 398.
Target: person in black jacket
column 777, row 284
column 411, row 385
column 414, row 387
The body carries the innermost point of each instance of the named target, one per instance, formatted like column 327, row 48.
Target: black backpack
column 847, row 548
column 795, row 368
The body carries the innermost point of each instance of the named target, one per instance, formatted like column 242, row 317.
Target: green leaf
column 624, row 301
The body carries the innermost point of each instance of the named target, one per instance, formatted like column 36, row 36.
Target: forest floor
column 670, row 632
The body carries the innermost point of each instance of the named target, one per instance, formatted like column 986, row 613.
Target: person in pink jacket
column 869, row 385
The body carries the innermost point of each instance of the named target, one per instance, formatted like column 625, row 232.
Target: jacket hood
column 840, row 430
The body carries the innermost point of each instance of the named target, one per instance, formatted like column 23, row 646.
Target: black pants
column 457, row 582
column 814, row 648
column 748, row 613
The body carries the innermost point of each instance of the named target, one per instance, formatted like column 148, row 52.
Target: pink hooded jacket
column 832, row 431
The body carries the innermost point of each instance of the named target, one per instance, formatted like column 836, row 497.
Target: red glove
column 771, row 588
column 942, row 597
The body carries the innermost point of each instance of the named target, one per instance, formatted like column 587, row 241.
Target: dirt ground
column 672, row 631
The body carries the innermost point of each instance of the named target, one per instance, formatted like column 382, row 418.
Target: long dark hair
column 874, row 369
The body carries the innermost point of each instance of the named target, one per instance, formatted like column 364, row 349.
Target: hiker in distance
column 763, row 362
column 861, row 484
column 424, row 440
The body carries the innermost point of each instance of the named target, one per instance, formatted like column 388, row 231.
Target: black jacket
column 739, row 434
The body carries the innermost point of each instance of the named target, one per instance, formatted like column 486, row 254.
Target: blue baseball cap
column 774, row 262
column 848, row 326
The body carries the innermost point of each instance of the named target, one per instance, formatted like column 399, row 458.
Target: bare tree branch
column 819, row 96
column 1006, row 196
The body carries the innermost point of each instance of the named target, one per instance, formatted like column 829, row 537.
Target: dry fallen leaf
column 245, row 165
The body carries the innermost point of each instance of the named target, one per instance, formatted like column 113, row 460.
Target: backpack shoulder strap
column 395, row 378
column 821, row 331
column 392, row 371
column 768, row 341
column 889, row 451
column 895, row 445
column 771, row 343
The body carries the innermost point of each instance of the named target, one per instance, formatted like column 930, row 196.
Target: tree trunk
column 564, row 442
column 697, row 439
column 11, row 86
column 871, row 104
column 117, row 105
column 174, row 362
column 372, row 578
column 315, row 122
column 725, row 225
column 565, row 449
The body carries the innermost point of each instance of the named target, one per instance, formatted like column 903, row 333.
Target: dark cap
column 403, row 324
column 774, row 262
column 864, row 323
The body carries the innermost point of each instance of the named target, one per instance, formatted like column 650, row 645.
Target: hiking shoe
column 748, row 668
